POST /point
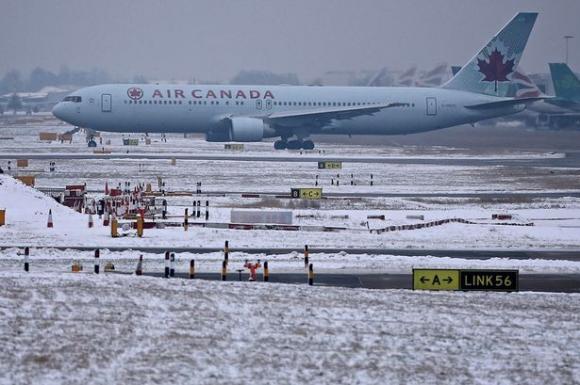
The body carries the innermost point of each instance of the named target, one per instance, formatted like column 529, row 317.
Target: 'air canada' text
column 213, row 94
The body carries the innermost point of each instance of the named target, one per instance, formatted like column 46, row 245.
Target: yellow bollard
column 224, row 270
column 192, row 269
column 114, row 228
column 140, row 227
column 310, row 274
column 266, row 272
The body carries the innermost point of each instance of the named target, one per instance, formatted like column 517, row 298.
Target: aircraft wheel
column 280, row 145
column 295, row 145
column 308, row 145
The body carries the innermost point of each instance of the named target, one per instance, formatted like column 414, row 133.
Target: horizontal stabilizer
column 506, row 103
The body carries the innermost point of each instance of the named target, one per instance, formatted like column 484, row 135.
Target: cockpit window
column 74, row 99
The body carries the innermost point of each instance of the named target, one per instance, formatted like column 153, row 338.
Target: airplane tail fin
column 566, row 83
column 490, row 70
column 523, row 87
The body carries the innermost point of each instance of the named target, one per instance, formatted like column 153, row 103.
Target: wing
column 321, row 117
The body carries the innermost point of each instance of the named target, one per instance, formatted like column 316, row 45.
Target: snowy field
column 62, row 328
column 77, row 328
column 27, row 214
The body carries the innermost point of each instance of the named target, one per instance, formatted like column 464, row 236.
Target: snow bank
column 67, row 328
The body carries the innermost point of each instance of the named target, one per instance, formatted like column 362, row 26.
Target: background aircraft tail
column 490, row 71
column 566, row 83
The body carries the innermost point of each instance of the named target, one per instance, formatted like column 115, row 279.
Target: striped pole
column 192, row 269
column 172, row 265
column 306, row 253
column 97, row 265
column 224, row 270
column 310, row 274
column 166, row 274
column 139, row 270
column 226, row 250
column 26, row 254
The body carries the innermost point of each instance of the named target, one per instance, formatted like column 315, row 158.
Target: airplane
column 251, row 113
column 566, row 86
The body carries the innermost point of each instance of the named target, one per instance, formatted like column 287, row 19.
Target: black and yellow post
column 26, row 254
column 186, row 219
column 140, row 227
column 266, row 272
column 224, row 270
column 306, row 253
column 114, row 227
column 97, row 256
column 166, row 272
column 192, row 269
column 311, row 274
column 226, row 250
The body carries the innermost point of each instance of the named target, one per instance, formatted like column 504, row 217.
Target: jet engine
column 244, row 129
column 240, row 129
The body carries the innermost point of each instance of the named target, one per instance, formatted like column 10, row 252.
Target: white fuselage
column 199, row 108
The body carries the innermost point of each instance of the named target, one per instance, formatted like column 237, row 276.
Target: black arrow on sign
column 448, row 280
column 424, row 279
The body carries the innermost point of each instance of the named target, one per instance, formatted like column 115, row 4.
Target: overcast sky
column 214, row 39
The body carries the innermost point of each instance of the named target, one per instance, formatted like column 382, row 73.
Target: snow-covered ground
column 27, row 214
column 81, row 328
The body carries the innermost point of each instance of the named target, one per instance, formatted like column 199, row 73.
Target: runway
column 570, row 159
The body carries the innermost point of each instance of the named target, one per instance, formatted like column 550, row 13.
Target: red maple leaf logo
column 135, row 93
column 495, row 70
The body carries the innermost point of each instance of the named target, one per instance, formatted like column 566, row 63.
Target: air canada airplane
column 293, row 113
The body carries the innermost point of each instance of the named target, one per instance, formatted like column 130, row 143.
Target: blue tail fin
column 566, row 83
column 490, row 71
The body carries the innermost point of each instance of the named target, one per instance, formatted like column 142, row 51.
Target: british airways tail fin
column 566, row 83
column 490, row 70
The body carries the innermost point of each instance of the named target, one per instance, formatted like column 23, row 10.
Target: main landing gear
column 294, row 144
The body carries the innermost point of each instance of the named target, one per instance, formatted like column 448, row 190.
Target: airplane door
column 431, row 106
column 106, row 103
column 259, row 104
column 269, row 104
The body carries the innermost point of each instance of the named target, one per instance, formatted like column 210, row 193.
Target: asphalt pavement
column 556, row 283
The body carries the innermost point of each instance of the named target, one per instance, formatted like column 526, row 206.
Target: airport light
column 567, row 38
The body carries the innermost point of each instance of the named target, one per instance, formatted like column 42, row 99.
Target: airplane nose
column 58, row 111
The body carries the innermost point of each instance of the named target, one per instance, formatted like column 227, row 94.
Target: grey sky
column 213, row 40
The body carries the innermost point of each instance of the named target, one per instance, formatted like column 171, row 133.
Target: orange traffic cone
column 49, row 224
column 90, row 220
